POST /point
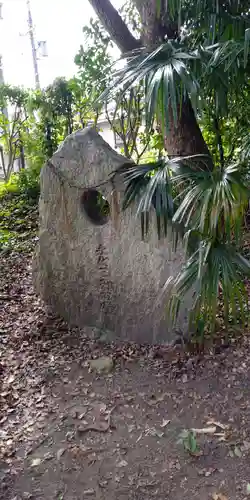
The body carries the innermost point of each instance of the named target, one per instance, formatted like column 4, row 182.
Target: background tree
column 54, row 106
column 125, row 114
column 94, row 70
column 13, row 124
column 126, row 118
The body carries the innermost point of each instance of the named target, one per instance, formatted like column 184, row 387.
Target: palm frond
column 230, row 52
column 172, row 72
column 205, row 210
column 149, row 186
column 211, row 19
column 168, row 80
column 246, row 148
column 214, row 275
column 214, row 202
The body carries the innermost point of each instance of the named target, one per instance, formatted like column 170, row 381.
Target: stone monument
column 91, row 269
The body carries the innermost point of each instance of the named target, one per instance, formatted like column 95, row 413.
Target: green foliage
column 18, row 221
column 131, row 16
column 24, row 140
column 167, row 81
column 199, row 199
column 95, row 63
column 189, row 442
column 126, row 120
column 28, row 182
column 10, row 95
column 13, row 123
column 205, row 208
column 150, row 185
column 34, row 123
column 9, row 188
column 207, row 60
column 94, row 57
column 172, row 72
column 94, row 68
column 212, row 206
column 25, row 184
column 55, row 110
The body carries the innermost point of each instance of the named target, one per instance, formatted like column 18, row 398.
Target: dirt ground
column 69, row 432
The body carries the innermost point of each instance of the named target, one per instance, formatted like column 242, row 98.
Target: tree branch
column 114, row 25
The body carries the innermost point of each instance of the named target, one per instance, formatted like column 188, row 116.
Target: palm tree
column 203, row 68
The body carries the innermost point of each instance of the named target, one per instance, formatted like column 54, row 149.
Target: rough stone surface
column 100, row 276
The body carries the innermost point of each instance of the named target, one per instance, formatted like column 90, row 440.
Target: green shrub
column 9, row 188
column 25, row 183
column 18, row 221
column 28, row 182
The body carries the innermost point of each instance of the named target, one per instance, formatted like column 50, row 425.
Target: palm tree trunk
column 114, row 25
column 185, row 137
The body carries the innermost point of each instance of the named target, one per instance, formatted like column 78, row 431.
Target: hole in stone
column 95, row 206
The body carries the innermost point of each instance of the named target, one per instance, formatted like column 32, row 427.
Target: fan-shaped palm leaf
column 153, row 188
column 215, row 201
column 150, row 187
column 213, row 20
column 167, row 76
column 214, row 274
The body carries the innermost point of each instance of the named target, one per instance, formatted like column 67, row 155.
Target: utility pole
column 33, row 46
column 4, row 110
column 1, row 70
column 1, row 59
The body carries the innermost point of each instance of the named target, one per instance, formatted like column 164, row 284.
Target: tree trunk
column 185, row 138
column 154, row 26
column 114, row 25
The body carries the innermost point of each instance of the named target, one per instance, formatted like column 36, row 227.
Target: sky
column 59, row 22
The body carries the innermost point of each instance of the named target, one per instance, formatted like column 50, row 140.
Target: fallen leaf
column 246, row 445
column 139, row 438
column 102, row 408
column 60, row 453
column 10, row 379
column 205, row 430
column 219, row 496
column 237, row 452
column 206, row 472
column 217, row 424
column 98, row 427
column 123, row 463
column 248, row 488
column 165, row 423
column 35, row 462
column 80, row 417
column 152, row 431
column 156, row 399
